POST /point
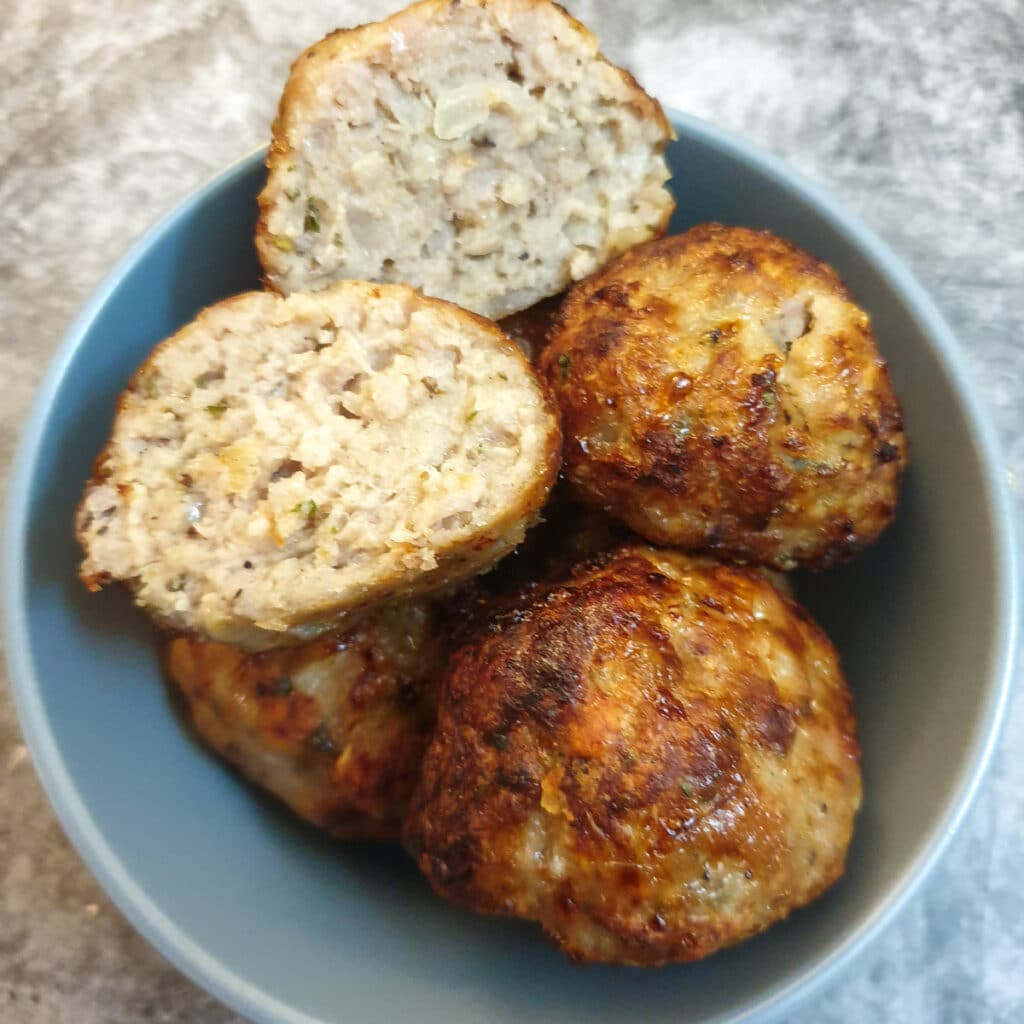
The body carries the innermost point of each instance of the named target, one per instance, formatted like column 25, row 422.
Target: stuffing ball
column 483, row 151
column 655, row 759
column 336, row 728
column 721, row 392
column 279, row 464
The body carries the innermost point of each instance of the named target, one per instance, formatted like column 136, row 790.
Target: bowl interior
column 287, row 926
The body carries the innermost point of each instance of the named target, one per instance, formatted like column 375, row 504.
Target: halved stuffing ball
column 721, row 391
column 655, row 759
column 336, row 728
column 481, row 150
column 279, row 462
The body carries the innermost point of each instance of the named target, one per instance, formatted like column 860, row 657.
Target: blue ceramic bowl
column 286, row 927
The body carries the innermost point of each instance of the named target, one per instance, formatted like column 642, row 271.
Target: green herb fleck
column 768, row 398
column 502, row 376
column 563, row 362
column 499, row 741
column 291, row 194
column 148, row 383
column 218, row 409
column 282, row 686
column 306, row 508
column 810, row 465
column 312, row 221
column 282, row 242
column 471, row 415
column 321, row 741
column 686, row 788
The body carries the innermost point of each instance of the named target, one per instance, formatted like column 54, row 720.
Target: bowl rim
column 244, row 997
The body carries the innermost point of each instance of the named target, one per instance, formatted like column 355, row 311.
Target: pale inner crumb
column 280, row 452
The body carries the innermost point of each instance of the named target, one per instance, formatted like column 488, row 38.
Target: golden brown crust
column 655, row 759
column 720, row 391
column 336, row 728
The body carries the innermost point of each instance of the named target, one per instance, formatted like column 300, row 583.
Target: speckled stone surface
column 911, row 112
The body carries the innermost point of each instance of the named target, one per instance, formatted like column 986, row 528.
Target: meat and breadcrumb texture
column 721, row 391
column 481, row 150
column 280, row 462
column 655, row 759
column 336, row 728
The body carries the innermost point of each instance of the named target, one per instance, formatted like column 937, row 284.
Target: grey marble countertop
column 911, row 112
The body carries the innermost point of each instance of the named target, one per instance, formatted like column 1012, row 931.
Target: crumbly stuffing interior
column 486, row 155
column 278, row 450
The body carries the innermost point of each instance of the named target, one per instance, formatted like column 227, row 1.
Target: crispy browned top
column 335, row 728
column 654, row 759
column 720, row 391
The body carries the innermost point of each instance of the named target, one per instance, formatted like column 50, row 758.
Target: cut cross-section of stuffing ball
column 280, row 462
column 654, row 759
column 481, row 150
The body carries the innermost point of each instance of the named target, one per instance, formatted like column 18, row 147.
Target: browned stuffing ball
column 720, row 391
column 654, row 760
column 336, row 728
